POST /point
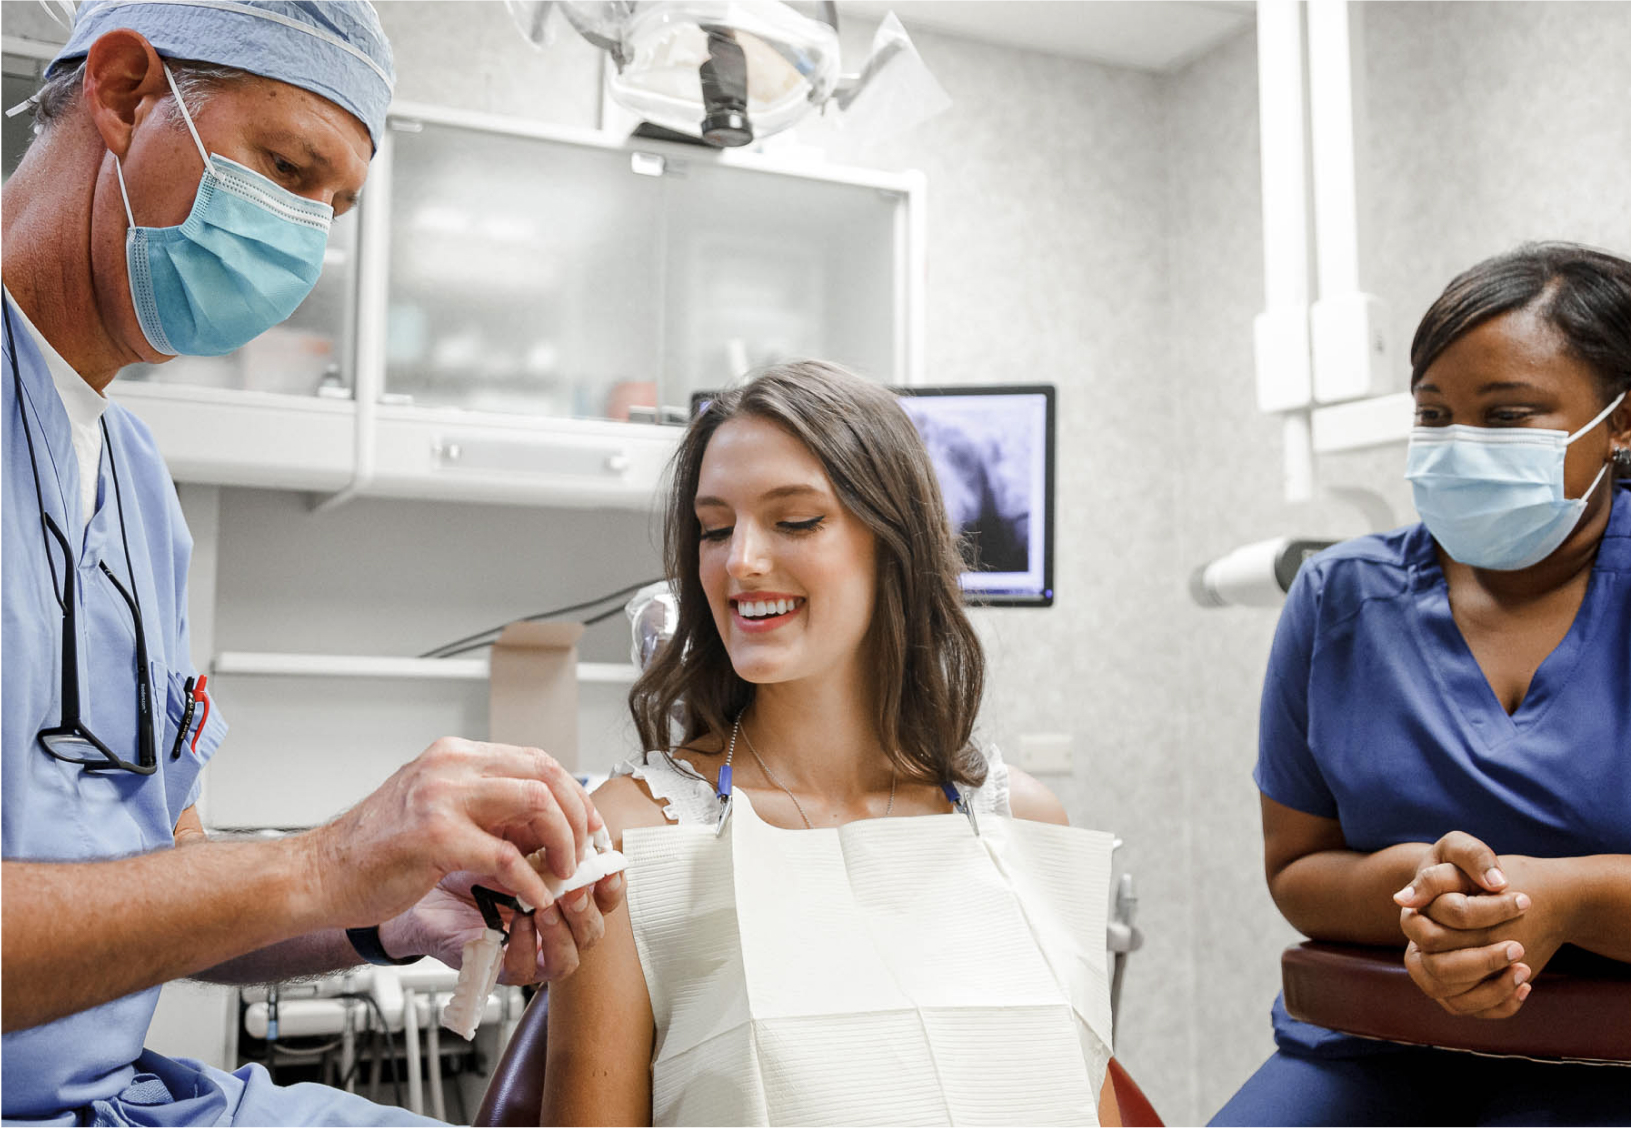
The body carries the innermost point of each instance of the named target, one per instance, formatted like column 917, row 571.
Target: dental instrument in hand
column 483, row 957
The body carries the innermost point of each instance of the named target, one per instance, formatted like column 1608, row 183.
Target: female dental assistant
column 1445, row 743
column 140, row 225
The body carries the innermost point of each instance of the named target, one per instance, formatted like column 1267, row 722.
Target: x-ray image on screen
column 991, row 449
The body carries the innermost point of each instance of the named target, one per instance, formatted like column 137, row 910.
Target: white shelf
column 455, row 455
column 275, row 664
column 229, row 437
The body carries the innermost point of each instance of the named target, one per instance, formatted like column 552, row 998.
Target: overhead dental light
column 733, row 71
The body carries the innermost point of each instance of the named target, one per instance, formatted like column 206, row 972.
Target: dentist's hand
column 543, row 946
column 461, row 806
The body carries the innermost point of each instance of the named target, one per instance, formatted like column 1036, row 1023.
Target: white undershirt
column 84, row 405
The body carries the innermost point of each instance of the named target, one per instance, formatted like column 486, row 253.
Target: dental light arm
column 1254, row 575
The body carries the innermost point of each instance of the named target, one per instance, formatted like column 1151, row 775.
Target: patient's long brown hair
column 929, row 666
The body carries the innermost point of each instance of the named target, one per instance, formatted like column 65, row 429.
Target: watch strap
column 369, row 947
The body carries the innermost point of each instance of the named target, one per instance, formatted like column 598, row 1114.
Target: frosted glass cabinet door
column 763, row 267
column 308, row 355
column 522, row 275
column 19, row 78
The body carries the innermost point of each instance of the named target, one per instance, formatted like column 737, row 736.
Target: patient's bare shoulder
column 1030, row 799
column 626, row 802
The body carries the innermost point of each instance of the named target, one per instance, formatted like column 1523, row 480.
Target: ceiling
column 1152, row 35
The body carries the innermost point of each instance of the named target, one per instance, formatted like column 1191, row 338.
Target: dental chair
column 1580, row 1009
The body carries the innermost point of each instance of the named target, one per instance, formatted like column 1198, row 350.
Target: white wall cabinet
column 509, row 295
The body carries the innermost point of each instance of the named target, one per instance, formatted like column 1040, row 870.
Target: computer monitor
column 993, row 452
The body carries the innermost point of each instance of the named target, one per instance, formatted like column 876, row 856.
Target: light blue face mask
column 1493, row 497
column 246, row 256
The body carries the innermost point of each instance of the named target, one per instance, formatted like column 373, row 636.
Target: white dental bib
column 889, row 971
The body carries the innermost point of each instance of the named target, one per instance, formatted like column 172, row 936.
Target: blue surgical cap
column 334, row 48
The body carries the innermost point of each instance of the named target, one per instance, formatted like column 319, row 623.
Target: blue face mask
column 248, row 253
column 1493, row 497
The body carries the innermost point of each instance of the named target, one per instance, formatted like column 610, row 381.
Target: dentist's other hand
column 543, row 946
column 460, row 806
column 446, row 918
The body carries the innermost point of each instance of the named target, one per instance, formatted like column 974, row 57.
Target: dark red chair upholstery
column 516, row 1095
column 1580, row 1007
column 1136, row 1110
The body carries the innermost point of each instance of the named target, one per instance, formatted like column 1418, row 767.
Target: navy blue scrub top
column 1376, row 713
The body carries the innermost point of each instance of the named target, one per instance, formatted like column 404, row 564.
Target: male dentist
column 192, row 155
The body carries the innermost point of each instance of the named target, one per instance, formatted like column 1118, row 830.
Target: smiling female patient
column 772, row 968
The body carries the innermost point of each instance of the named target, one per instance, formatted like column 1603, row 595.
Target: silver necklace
column 894, row 777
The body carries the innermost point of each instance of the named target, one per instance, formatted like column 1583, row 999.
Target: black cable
column 603, row 616
column 617, row 609
column 272, row 1031
column 390, row 1042
column 374, row 1050
column 458, row 1089
column 354, row 1074
column 480, row 638
column 375, row 1043
column 470, row 642
column 305, row 1051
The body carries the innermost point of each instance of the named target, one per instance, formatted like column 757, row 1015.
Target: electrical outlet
column 1044, row 753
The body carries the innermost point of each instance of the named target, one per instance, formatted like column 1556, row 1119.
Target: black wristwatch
column 367, row 943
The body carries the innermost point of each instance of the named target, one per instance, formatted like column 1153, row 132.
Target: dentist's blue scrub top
column 1375, row 713
column 92, row 1064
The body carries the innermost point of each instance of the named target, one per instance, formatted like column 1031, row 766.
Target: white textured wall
column 469, row 54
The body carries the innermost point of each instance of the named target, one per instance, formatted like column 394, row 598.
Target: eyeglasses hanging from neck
column 71, row 739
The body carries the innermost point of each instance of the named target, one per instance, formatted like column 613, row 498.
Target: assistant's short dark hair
column 1582, row 292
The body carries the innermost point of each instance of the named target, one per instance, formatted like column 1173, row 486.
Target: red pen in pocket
column 200, row 695
column 194, row 689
